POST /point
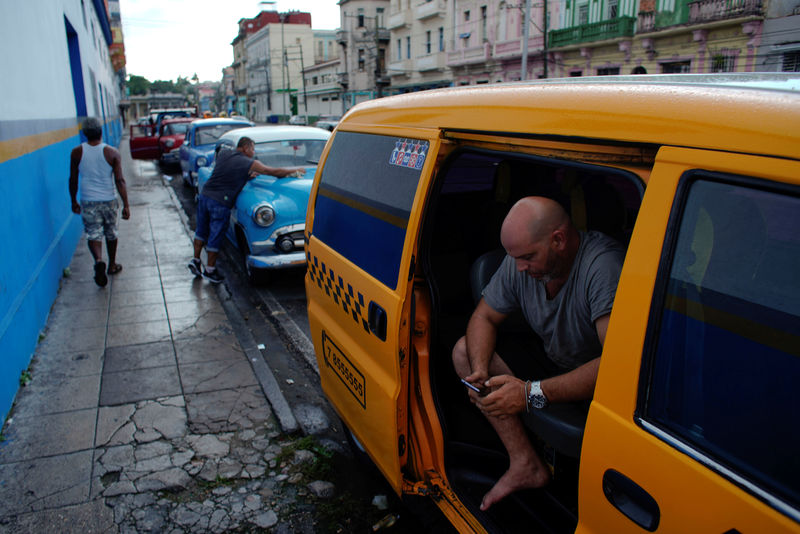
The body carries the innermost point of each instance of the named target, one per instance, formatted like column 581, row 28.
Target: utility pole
column 525, row 25
column 302, row 71
column 283, row 66
column 544, row 34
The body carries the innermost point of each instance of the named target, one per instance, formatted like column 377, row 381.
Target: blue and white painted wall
column 56, row 70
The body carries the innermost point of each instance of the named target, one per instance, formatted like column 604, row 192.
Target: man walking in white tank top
column 100, row 169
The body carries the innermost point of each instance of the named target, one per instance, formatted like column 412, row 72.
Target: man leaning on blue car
column 232, row 171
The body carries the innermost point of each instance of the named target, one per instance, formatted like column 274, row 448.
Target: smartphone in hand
column 474, row 388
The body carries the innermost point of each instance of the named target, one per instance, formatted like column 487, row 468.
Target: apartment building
column 656, row 36
column 418, row 50
column 364, row 42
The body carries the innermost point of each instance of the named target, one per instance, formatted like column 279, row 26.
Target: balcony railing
column 431, row 62
column 596, row 31
column 397, row 20
column 647, row 21
column 428, row 9
column 467, row 56
column 510, row 49
column 710, row 10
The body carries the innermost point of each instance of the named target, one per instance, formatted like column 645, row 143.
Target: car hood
column 289, row 196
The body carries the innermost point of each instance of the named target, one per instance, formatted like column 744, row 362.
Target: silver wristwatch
column 536, row 396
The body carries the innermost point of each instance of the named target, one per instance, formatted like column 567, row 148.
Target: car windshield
column 290, row 153
column 175, row 128
column 207, row 135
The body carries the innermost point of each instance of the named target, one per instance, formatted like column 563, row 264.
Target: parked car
column 298, row 120
column 268, row 220
column 197, row 149
column 163, row 146
column 172, row 134
column 327, row 122
column 693, row 424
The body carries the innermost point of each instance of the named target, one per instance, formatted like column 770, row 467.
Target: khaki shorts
column 100, row 219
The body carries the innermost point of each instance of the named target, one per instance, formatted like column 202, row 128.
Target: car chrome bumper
column 277, row 261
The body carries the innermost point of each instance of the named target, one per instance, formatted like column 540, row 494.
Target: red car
column 165, row 145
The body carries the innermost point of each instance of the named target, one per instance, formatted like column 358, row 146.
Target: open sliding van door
column 361, row 230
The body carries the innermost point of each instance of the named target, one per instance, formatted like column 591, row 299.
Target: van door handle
column 377, row 320
column 631, row 499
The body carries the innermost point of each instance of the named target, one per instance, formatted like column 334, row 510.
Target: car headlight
column 202, row 161
column 170, row 143
column 264, row 215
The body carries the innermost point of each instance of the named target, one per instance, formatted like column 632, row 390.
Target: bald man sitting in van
column 563, row 281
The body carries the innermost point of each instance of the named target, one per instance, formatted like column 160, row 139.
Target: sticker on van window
column 409, row 153
column 350, row 376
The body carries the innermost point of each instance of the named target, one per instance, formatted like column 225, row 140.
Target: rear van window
column 727, row 353
column 365, row 197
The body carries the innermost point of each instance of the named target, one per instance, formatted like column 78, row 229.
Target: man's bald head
column 532, row 219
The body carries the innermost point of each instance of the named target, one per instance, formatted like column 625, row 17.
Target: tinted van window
column 365, row 197
column 727, row 359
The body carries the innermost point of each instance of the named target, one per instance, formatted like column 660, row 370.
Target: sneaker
column 196, row 267
column 215, row 277
column 100, row 277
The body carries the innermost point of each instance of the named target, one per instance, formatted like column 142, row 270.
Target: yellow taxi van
column 695, row 421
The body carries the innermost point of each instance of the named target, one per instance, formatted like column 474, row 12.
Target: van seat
column 559, row 425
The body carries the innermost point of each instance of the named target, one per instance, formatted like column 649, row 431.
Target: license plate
column 350, row 376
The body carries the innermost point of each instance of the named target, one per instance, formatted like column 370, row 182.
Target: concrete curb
column 262, row 371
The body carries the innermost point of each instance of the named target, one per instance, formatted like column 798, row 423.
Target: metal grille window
column 791, row 62
column 676, row 67
column 608, row 71
column 583, row 14
column 723, row 63
column 613, row 6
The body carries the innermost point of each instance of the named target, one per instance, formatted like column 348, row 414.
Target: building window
column 361, row 59
column 723, row 63
column 379, row 17
column 314, row 80
column 441, row 39
column 676, row 67
column 466, row 16
column 428, row 42
column 613, row 8
column 399, row 50
column 360, row 17
column 583, row 14
column 575, row 73
column 608, row 71
column 408, row 47
column 791, row 62
column 484, row 36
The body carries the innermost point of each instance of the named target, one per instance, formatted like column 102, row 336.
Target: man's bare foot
column 525, row 476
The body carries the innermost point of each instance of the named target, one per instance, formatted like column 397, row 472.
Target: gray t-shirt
column 231, row 172
column 565, row 323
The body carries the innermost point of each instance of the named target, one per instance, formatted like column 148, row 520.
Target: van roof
column 750, row 113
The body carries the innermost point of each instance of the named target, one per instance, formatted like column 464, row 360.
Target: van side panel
column 685, row 477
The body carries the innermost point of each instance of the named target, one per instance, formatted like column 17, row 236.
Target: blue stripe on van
column 373, row 244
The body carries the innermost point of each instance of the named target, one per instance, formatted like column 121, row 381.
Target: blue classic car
column 197, row 149
column 268, row 221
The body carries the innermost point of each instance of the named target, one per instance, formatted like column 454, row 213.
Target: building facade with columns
column 487, row 44
column 605, row 37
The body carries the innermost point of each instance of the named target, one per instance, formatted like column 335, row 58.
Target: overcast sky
column 165, row 39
